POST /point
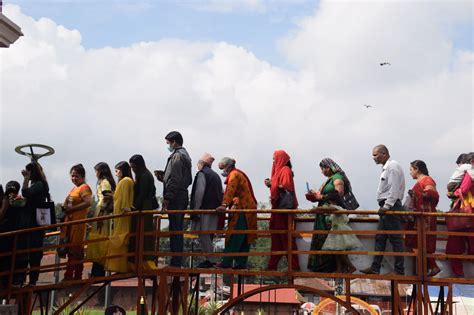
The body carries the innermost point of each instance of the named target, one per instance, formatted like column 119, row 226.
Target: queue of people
column 135, row 190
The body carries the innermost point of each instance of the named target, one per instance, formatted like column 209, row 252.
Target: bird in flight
column 385, row 64
column 367, row 106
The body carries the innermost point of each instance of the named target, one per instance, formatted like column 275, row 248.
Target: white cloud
column 227, row 6
column 110, row 103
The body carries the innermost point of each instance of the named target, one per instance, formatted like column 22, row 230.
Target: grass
column 90, row 312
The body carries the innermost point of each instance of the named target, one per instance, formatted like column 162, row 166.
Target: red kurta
column 424, row 201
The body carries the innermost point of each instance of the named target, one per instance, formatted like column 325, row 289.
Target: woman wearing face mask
column 77, row 205
column 123, row 202
column 238, row 195
column 281, row 183
column 101, row 229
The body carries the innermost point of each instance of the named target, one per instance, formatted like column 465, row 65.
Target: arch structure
column 233, row 302
column 354, row 300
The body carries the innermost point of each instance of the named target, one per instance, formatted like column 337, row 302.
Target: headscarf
column 281, row 175
column 335, row 168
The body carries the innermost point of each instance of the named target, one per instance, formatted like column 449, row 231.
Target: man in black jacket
column 176, row 179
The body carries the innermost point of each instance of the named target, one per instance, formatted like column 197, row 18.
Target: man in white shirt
column 389, row 197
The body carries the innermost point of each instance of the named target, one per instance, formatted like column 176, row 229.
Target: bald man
column 389, row 197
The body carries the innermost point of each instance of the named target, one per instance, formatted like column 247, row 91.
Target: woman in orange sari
column 77, row 205
column 424, row 198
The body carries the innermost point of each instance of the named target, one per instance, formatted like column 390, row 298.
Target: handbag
column 350, row 202
column 462, row 205
column 286, row 200
column 45, row 213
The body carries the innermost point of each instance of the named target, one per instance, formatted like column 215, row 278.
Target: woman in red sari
column 424, row 198
column 281, row 182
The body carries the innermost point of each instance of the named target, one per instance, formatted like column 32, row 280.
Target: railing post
column 139, row 239
column 12, row 268
column 57, row 261
column 421, row 261
column 289, row 233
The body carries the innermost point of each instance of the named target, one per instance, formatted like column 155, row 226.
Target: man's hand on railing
column 382, row 211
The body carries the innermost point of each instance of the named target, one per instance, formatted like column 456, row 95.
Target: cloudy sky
column 103, row 80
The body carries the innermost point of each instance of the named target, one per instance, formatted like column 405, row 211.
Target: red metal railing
column 159, row 302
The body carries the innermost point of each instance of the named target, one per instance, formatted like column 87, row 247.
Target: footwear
column 433, row 272
column 369, row 271
column 205, row 264
column 221, row 266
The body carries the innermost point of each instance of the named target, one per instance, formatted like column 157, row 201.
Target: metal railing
column 420, row 278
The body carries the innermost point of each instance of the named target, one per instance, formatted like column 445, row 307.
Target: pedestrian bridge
column 176, row 291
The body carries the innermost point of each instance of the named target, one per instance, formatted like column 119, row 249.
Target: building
column 9, row 31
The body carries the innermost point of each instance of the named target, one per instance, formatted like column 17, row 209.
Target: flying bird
column 367, row 106
column 385, row 64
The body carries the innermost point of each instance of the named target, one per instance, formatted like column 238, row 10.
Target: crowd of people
column 113, row 243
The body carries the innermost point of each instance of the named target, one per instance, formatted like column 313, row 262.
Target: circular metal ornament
column 31, row 154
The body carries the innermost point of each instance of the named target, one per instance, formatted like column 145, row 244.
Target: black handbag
column 286, row 200
column 350, row 201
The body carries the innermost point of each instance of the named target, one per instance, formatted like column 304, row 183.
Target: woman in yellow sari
column 77, row 205
column 101, row 229
column 123, row 202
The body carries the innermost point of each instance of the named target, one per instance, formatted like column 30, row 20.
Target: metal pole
column 108, row 287
column 57, row 260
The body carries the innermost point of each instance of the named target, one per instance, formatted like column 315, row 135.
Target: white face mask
column 170, row 148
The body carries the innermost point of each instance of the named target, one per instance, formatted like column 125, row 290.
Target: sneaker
column 369, row 271
column 205, row 264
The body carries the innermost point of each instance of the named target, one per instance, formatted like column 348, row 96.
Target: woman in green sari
column 329, row 193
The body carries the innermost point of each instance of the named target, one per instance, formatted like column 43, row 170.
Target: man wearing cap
column 206, row 194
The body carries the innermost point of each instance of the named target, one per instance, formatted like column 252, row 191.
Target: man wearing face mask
column 206, row 194
column 238, row 195
column 176, row 179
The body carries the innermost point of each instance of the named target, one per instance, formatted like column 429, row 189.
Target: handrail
column 420, row 255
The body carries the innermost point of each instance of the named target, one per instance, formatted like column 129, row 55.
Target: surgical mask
column 225, row 172
column 170, row 148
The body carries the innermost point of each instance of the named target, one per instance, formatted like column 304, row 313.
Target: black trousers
column 389, row 222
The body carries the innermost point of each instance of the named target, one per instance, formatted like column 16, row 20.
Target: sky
column 103, row 80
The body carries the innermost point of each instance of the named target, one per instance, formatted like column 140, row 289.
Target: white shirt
column 392, row 184
column 458, row 174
